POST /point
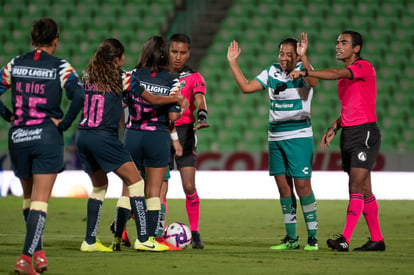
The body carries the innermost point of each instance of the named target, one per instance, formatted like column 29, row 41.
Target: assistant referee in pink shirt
column 360, row 137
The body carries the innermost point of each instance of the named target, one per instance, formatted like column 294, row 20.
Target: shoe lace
column 367, row 244
column 312, row 241
column 288, row 239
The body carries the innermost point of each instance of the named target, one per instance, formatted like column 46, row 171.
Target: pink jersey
column 358, row 95
column 191, row 84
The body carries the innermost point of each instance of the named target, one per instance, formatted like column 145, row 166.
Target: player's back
column 143, row 115
column 37, row 82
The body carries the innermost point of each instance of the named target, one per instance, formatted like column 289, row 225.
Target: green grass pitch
column 237, row 236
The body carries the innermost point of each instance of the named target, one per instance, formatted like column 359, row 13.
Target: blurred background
column 237, row 138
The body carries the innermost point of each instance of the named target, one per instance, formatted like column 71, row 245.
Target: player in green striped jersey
column 290, row 133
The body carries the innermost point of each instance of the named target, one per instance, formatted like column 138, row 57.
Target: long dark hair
column 101, row 69
column 44, row 31
column 154, row 55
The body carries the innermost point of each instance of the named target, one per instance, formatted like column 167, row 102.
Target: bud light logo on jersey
column 155, row 89
column 28, row 72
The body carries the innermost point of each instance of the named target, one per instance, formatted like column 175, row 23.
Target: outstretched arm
column 233, row 53
column 327, row 74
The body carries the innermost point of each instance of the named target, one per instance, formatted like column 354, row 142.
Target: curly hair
column 102, row 71
column 154, row 54
column 44, row 31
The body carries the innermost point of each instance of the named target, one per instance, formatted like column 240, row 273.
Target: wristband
column 333, row 129
column 202, row 115
column 174, row 136
column 306, row 72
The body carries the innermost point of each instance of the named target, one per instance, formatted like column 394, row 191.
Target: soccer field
column 237, row 235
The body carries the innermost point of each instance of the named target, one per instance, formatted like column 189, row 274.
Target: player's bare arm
column 233, row 53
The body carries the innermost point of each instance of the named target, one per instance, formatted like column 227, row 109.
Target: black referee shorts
column 360, row 146
column 188, row 140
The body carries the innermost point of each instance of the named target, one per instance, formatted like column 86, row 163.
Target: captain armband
column 202, row 115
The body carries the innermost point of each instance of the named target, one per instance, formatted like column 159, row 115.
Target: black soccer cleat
column 196, row 241
column 372, row 246
column 339, row 244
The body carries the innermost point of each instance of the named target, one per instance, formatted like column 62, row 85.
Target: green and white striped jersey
column 290, row 103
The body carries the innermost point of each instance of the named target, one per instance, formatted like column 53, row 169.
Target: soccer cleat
column 339, row 244
column 372, row 246
column 125, row 240
column 116, row 244
column 196, row 241
column 40, row 261
column 287, row 244
column 161, row 240
column 150, row 245
column 312, row 244
column 95, row 247
column 24, row 266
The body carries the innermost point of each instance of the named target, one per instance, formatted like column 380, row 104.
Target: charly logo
column 22, row 135
column 362, row 156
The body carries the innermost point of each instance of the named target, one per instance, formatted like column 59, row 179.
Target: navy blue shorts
column 148, row 148
column 360, row 146
column 100, row 150
column 37, row 159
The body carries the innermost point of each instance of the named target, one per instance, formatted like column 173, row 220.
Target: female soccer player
column 290, row 133
column 97, row 140
column 146, row 136
column 37, row 80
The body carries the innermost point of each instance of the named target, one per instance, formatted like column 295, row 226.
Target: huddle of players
column 153, row 97
column 146, row 143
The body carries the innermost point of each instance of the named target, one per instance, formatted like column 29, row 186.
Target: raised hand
column 233, row 52
column 302, row 46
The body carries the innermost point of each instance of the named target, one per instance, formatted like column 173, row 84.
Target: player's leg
column 94, row 205
column 284, row 184
column 299, row 152
column 41, row 186
column 163, row 201
column 37, row 170
column 309, row 210
column 122, row 215
column 372, row 138
column 187, row 164
column 370, row 211
column 288, row 205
